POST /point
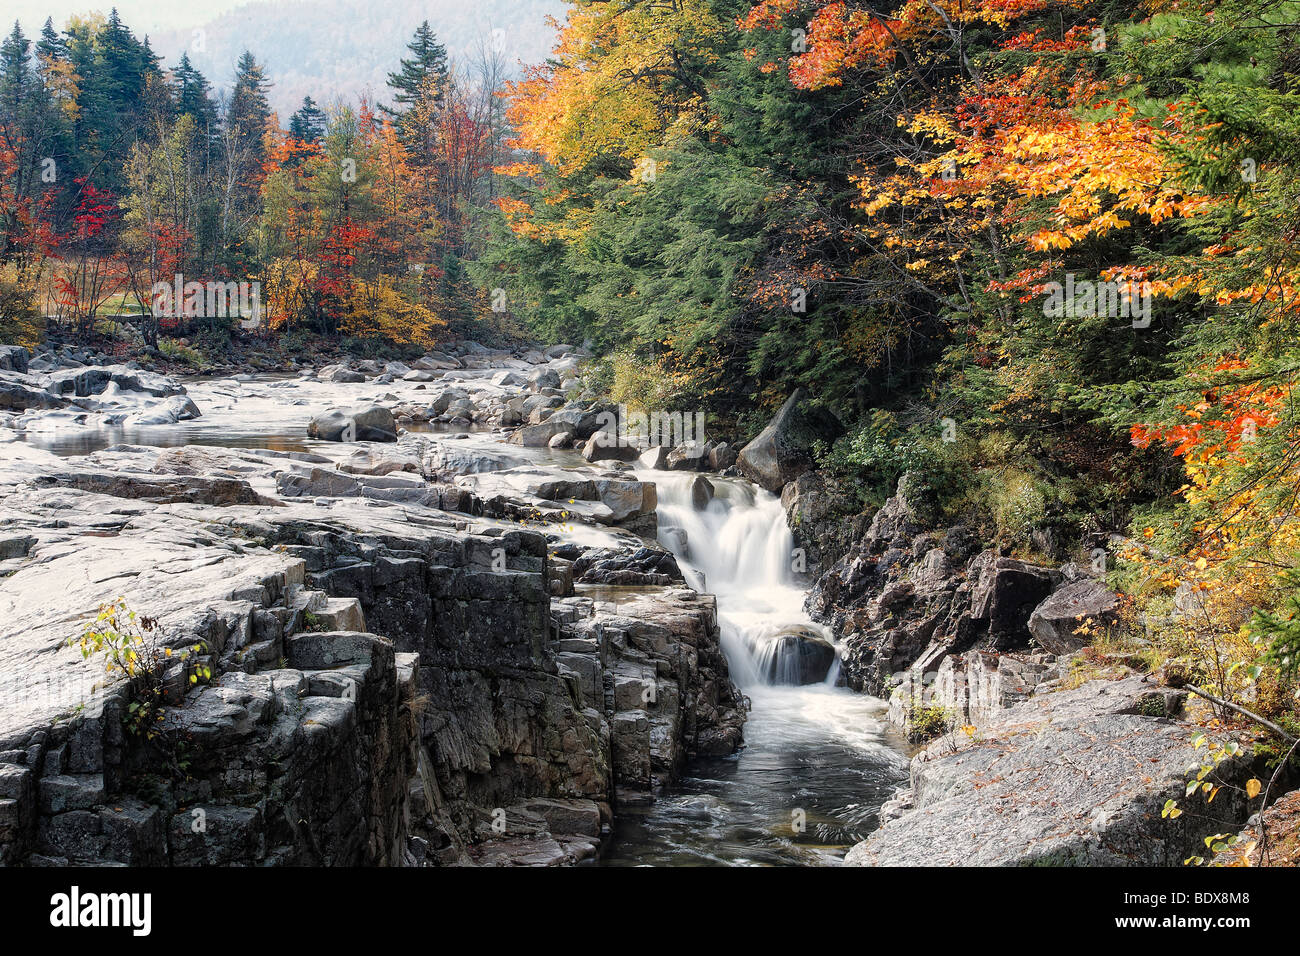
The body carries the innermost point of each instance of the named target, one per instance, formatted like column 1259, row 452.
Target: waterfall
column 735, row 544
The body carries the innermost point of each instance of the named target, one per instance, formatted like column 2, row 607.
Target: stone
column 691, row 456
column 1006, row 592
column 602, row 446
column 345, row 376
column 655, row 458
column 318, row 482
column 13, row 358
column 701, row 492
column 179, row 408
column 17, row 396
column 582, row 423
column 722, row 456
column 783, row 450
column 371, row 423
column 1053, row 622
column 544, row 378
column 1052, row 783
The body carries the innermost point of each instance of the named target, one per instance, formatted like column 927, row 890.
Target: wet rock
column 562, row 440
column 783, row 450
column 16, row 396
column 180, row 408
column 655, row 458
column 797, row 658
column 604, row 446
column 701, row 492
column 371, row 423
column 722, row 456
column 640, row 567
column 582, row 423
column 13, row 358
column 824, row 519
column 341, row 374
column 690, row 456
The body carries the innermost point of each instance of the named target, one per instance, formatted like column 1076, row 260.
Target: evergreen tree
column 424, row 74
column 418, row 91
column 51, row 48
column 192, row 95
column 308, row 123
column 250, row 111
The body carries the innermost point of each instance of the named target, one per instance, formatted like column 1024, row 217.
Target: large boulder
column 544, row 378
column 365, row 423
column 783, row 450
column 1054, row 622
column 604, row 446
column 583, row 423
column 690, row 456
column 1006, row 592
column 615, row 566
column 798, row 657
column 178, row 408
column 655, row 458
column 17, row 396
column 13, row 358
column 341, row 374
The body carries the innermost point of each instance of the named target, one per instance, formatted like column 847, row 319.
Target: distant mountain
column 332, row 48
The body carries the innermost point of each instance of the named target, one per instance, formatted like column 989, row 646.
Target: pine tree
column 249, row 110
column 308, row 123
column 51, row 48
column 412, row 84
column 418, row 92
column 192, row 95
column 15, row 77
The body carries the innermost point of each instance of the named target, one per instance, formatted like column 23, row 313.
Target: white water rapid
column 739, row 548
column 818, row 760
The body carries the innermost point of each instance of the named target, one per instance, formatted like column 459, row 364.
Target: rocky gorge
column 450, row 612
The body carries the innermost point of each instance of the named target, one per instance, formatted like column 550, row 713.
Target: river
column 818, row 759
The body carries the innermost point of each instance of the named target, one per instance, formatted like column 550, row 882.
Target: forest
column 1037, row 255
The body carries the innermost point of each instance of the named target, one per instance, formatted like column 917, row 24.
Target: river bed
column 818, row 760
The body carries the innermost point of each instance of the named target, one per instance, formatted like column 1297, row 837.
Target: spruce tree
column 308, row 123
column 249, row 110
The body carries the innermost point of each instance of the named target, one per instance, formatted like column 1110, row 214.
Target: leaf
column 1253, row 787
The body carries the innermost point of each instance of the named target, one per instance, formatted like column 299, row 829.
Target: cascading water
column 736, row 544
column 818, row 759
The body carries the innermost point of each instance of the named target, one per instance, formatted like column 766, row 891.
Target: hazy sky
column 143, row 16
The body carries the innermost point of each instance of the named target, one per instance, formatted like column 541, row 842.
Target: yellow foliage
column 21, row 322
column 375, row 310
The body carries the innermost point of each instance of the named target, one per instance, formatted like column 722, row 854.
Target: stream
column 818, row 760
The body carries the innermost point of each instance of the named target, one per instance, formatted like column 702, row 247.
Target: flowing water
column 818, row 760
